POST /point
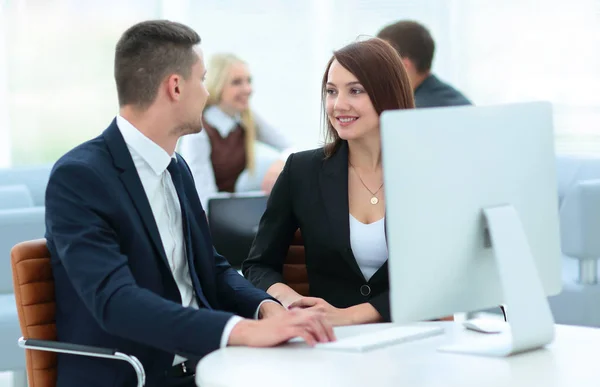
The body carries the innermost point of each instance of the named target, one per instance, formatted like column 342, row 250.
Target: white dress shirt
column 151, row 162
column 196, row 150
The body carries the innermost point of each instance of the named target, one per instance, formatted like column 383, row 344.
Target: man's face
column 193, row 97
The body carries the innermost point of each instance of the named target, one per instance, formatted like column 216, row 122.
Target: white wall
column 61, row 53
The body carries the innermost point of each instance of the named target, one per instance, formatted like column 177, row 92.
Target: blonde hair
column 216, row 77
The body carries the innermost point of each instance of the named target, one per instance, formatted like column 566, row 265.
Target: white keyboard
column 383, row 338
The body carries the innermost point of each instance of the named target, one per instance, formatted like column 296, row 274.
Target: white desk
column 573, row 360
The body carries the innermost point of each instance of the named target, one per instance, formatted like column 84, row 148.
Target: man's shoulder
column 92, row 154
column 438, row 93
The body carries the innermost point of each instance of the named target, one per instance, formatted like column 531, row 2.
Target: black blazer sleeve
column 381, row 303
column 264, row 264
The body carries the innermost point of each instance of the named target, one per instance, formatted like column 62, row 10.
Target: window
column 59, row 63
column 57, row 72
column 523, row 50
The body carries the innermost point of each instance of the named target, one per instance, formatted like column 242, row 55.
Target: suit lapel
column 333, row 182
column 133, row 184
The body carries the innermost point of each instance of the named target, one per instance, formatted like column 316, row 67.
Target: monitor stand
column 530, row 322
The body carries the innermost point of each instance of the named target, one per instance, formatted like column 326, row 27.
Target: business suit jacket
column 433, row 92
column 113, row 284
column 311, row 193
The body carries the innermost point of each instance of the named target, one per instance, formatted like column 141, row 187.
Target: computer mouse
column 485, row 325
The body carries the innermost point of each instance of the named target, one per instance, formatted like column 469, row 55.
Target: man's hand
column 270, row 309
column 334, row 316
column 309, row 325
column 271, row 176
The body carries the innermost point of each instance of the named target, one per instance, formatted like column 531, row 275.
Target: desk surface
column 573, row 360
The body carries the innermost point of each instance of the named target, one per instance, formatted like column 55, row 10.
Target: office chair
column 233, row 221
column 34, row 294
column 294, row 266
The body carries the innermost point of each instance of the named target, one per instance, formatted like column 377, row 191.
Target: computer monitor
column 233, row 220
column 472, row 221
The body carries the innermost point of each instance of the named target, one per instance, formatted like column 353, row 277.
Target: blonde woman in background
column 228, row 146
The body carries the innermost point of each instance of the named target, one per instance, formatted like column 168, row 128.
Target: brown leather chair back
column 294, row 267
column 34, row 293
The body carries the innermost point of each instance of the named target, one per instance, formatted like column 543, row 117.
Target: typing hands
column 282, row 326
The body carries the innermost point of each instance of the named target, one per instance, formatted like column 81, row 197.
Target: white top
column 570, row 361
column 369, row 245
column 195, row 148
column 151, row 162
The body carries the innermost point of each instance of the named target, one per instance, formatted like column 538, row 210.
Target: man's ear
column 408, row 65
column 411, row 71
column 173, row 85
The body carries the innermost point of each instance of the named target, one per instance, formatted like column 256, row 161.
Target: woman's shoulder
column 308, row 157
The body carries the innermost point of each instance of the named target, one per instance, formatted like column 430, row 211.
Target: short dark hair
column 412, row 40
column 380, row 70
column 146, row 53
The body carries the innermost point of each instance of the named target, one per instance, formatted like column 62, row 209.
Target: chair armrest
column 580, row 221
column 579, row 224
column 85, row 350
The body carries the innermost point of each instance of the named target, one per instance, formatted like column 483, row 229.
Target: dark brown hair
column 146, row 53
column 413, row 41
column 379, row 69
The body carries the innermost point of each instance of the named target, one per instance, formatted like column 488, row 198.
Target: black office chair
column 233, row 221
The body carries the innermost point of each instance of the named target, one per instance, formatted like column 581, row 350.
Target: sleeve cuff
column 259, row 305
column 381, row 303
column 228, row 328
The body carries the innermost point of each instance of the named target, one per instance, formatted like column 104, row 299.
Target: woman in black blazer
column 335, row 195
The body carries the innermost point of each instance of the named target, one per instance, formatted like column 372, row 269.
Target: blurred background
column 57, row 87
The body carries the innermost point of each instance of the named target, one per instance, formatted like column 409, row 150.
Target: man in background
column 416, row 48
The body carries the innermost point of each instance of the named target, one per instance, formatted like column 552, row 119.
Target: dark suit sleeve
column 81, row 222
column 264, row 264
column 381, row 303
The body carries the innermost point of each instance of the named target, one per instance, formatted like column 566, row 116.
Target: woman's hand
column 334, row 316
column 363, row 313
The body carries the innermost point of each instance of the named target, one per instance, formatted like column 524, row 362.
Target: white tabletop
column 573, row 360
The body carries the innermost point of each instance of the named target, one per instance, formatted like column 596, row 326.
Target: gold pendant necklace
column 374, row 199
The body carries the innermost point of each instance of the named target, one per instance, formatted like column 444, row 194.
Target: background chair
column 233, row 221
column 34, row 293
column 578, row 179
column 21, row 218
column 16, row 224
column 35, row 178
column 15, row 196
column 294, row 267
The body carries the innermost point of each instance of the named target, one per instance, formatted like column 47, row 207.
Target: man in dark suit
column 131, row 253
column 416, row 48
